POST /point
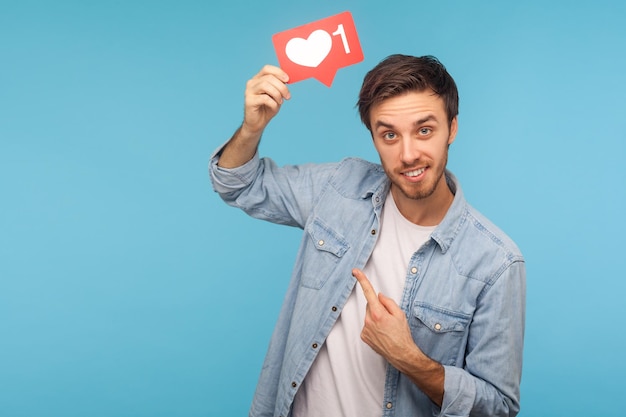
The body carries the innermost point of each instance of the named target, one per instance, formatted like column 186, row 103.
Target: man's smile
column 414, row 174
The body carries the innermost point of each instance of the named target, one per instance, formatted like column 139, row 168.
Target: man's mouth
column 415, row 173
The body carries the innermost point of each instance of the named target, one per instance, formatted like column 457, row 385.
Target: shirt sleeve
column 229, row 180
column 489, row 382
column 283, row 195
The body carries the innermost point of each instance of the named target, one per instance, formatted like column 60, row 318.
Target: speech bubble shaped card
column 318, row 49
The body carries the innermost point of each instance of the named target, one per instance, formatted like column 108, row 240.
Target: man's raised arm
column 265, row 93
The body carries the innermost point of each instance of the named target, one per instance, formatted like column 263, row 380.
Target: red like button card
column 318, row 49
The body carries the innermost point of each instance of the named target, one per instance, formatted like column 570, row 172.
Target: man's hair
column 399, row 74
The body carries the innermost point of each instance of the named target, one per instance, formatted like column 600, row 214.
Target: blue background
column 128, row 289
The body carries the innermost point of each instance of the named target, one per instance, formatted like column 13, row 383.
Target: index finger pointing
column 368, row 290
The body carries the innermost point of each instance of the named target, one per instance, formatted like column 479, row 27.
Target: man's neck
column 428, row 211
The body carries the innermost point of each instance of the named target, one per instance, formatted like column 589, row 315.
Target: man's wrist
column 426, row 373
column 240, row 149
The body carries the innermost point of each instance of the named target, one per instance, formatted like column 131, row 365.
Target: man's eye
column 425, row 131
column 389, row 136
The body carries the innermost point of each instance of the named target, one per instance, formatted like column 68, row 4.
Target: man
column 444, row 335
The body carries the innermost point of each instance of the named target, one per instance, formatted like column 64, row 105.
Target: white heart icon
column 309, row 52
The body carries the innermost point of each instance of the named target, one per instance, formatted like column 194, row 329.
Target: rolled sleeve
column 459, row 392
column 228, row 180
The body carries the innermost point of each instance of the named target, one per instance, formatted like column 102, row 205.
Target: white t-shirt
column 347, row 378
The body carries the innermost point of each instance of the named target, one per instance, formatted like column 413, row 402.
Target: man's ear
column 454, row 125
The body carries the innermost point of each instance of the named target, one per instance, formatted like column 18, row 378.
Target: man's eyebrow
column 429, row 118
column 380, row 123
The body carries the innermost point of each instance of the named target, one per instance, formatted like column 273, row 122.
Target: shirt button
column 321, row 243
column 389, row 405
column 293, row 384
column 373, row 232
column 314, row 345
column 437, row 326
column 334, row 308
column 414, row 270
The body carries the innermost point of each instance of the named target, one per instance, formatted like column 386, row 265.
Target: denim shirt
column 464, row 296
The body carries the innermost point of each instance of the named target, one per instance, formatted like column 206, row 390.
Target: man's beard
column 422, row 190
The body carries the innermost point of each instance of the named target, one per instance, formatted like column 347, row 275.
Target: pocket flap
column 326, row 239
column 439, row 319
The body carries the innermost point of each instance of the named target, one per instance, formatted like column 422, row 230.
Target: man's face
column 411, row 134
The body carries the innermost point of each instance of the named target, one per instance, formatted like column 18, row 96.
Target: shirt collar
column 449, row 227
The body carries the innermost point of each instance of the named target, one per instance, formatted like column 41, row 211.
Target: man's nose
column 410, row 151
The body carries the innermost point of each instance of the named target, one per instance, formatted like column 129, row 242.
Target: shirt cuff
column 459, row 392
column 230, row 179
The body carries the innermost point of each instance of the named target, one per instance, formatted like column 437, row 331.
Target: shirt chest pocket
column 322, row 253
column 440, row 333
